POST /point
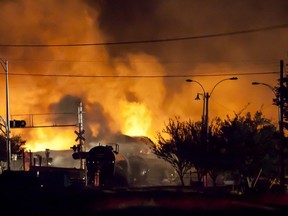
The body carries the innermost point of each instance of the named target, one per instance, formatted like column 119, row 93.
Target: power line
column 152, row 40
column 241, row 62
column 140, row 76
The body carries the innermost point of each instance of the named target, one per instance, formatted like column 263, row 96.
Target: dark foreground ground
column 23, row 194
column 138, row 201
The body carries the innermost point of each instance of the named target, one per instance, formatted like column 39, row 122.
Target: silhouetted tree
column 3, row 150
column 176, row 146
column 17, row 144
column 247, row 144
column 244, row 144
column 282, row 101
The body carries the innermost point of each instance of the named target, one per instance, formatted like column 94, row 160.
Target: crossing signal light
column 76, row 148
column 17, row 124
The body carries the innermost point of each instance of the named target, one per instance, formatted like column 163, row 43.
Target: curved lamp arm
column 190, row 80
column 231, row 78
column 265, row 84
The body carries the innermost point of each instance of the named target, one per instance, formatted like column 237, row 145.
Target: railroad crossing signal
column 80, row 135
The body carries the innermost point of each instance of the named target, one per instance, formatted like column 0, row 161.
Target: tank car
column 105, row 167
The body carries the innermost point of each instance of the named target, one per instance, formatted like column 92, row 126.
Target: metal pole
column 81, row 142
column 203, row 129
column 207, row 120
column 80, row 125
column 281, row 128
column 8, row 141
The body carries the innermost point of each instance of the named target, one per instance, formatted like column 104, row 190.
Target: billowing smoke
column 120, row 99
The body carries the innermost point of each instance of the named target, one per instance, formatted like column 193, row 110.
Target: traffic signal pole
column 8, row 141
column 4, row 64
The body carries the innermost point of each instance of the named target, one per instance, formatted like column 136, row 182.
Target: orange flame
column 49, row 138
column 136, row 118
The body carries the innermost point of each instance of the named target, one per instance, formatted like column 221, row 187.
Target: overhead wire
column 213, row 35
column 144, row 41
column 140, row 76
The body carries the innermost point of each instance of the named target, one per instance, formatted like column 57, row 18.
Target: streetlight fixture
column 275, row 94
column 206, row 96
column 4, row 64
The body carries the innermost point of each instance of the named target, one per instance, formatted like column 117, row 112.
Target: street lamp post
column 203, row 110
column 204, row 116
column 206, row 97
column 4, row 64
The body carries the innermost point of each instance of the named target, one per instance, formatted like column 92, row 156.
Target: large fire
column 137, row 119
column 117, row 91
column 47, row 138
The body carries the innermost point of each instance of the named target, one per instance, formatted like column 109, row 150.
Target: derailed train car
column 106, row 167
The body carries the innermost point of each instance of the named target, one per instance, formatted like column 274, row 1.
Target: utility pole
column 8, row 120
column 4, row 64
column 281, row 128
